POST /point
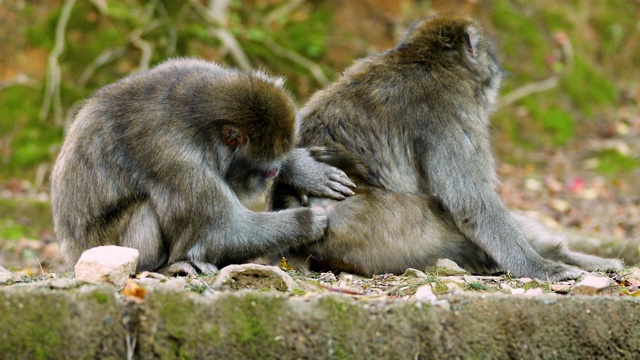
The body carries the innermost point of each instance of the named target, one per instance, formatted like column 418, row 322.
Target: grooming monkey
column 410, row 126
column 161, row 160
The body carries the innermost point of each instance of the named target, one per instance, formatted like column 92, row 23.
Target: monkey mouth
column 271, row 173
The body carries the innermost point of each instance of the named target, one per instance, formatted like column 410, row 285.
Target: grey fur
column 149, row 163
column 411, row 127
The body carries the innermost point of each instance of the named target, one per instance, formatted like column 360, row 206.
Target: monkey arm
column 461, row 174
column 206, row 222
column 310, row 177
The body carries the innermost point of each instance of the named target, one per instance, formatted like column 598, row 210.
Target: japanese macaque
column 161, row 161
column 410, row 126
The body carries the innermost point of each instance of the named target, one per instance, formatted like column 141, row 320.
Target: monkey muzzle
column 271, row 173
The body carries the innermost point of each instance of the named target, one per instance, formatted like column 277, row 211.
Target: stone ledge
column 95, row 322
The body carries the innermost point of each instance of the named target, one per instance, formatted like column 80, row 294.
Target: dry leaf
column 134, row 292
column 284, row 265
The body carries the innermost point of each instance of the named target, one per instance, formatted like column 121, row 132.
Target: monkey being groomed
column 161, row 160
column 410, row 126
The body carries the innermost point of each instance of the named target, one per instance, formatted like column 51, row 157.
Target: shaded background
column 566, row 133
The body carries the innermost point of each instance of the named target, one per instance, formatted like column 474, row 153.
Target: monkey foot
column 190, row 268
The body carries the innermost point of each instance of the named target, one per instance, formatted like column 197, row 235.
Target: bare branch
column 314, row 68
column 217, row 18
column 171, row 29
column 529, row 89
column 145, row 47
column 283, row 11
column 218, row 11
column 106, row 56
column 54, row 73
column 547, row 84
column 20, row 79
column 101, row 5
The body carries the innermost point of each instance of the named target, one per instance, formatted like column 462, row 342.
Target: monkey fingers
column 190, row 268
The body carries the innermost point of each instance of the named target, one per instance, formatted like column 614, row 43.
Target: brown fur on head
column 240, row 108
column 262, row 111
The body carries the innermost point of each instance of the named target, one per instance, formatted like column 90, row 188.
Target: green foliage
column 32, row 141
column 588, row 88
column 11, row 231
column 612, row 161
column 558, row 124
column 612, row 27
column 198, row 288
column 521, row 42
column 24, row 218
column 477, row 286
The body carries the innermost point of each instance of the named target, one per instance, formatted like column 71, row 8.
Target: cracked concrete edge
column 93, row 322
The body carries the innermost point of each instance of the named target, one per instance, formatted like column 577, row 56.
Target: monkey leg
column 553, row 246
column 142, row 232
column 382, row 231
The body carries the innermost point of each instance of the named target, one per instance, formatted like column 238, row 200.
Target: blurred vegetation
column 106, row 40
column 579, row 57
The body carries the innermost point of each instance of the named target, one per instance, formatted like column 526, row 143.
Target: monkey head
column 460, row 45
column 253, row 121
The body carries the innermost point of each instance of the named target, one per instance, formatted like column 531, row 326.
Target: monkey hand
column 311, row 177
column 319, row 222
column 326, row 181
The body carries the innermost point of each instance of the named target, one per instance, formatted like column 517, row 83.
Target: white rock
column 455, row 279
column 3, row 269
column 107, row 265
column 470, row 279
column 6, row 277
column 518, row 291
column 254, row 276
column 451, row 265
column 534, row 292
column 454, row 288
column 425, row 294
column 411, row 272
column 506, row 287
column 591, row 285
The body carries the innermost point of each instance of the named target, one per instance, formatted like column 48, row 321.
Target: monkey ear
column 471, row 40
column 232, row 135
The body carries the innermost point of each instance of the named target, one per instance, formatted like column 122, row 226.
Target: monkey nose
column 272, row 173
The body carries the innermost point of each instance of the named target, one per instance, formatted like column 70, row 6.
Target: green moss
column 34, row 334
column 588, row 88
column 299, row 292
column 440, row 288
column 101, row 297
column 531, row 285
column 612, row 161
column 344, row 317
column 252, row 322
column 172, row 310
